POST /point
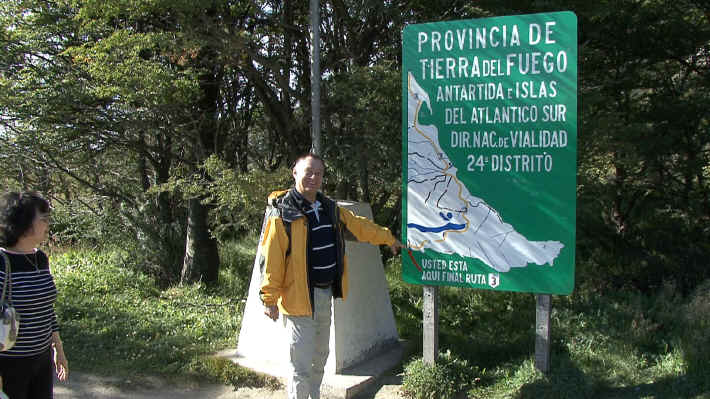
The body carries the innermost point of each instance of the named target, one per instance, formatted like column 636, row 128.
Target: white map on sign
column 444, row 217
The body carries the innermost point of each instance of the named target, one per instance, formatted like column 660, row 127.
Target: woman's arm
column 60, row 360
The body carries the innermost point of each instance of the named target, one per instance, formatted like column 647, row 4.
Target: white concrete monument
column 362, row 327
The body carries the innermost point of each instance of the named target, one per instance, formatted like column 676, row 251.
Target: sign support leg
column 542, row 333
column 431, row 324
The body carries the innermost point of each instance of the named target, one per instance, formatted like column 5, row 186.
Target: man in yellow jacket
column 304, row 267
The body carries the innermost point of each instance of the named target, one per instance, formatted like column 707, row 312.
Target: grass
column 612, row 345
column 623, row 344
column 115, row 321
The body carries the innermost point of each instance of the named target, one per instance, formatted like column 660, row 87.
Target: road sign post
column 431, row 324
column 542, row 332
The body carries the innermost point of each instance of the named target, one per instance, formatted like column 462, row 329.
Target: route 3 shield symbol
column 493, row 280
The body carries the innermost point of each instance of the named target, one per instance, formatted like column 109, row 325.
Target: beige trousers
column 309, row 340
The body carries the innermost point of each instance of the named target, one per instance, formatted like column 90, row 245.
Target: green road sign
column 489, row 147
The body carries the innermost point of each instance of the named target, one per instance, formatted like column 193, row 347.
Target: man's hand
column 272, row 312
column 395, row 247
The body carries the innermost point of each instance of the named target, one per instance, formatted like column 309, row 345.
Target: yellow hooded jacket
column 284, row 264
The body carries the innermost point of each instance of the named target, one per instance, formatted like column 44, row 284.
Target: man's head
column 308, row 174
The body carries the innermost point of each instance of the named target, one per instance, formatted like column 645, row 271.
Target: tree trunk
column 364, row 177
column 201, row 262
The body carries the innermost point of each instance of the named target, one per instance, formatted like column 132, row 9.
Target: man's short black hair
column 17, row 213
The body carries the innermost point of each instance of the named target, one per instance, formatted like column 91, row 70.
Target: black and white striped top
column 323, row 253
column 33, row 296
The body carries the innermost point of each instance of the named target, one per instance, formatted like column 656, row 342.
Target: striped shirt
column 323, row 253
column 33, row 296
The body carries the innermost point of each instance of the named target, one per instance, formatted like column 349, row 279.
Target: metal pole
column 431, row 324
column 542, row 332
column 315, row 78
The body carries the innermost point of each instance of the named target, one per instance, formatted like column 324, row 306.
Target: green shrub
column 148, row 244
column 442, row 380
column 406, row 302
column 696, row 341
column 239, row 199
column 74, row 222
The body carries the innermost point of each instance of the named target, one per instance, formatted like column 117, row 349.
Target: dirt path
column 87, row 386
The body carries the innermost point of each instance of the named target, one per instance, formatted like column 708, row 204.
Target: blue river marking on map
column 448, row 226
column 426, row 229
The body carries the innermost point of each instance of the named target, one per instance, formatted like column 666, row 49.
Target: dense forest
column 162, row 125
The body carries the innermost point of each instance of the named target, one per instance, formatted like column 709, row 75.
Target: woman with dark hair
column 26, row 368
